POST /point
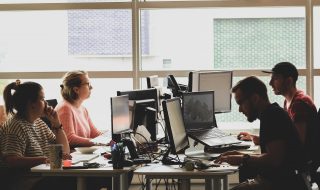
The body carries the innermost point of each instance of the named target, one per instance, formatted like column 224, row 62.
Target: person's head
column 24, row 98
column 284, row 76
column 76, row 85
column 249, row 93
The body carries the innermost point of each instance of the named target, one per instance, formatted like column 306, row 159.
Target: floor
column 196, row 184
column 163, row 187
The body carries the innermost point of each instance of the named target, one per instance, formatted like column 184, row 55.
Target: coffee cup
column 55, row 156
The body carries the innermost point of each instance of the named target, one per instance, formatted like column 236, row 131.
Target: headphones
column 190, row 165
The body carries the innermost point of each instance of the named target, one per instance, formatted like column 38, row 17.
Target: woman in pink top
column 75, row 89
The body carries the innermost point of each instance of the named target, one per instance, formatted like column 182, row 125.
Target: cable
column 147, row 142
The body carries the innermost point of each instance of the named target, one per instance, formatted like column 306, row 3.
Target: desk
column 119, row 176
column 159, row 171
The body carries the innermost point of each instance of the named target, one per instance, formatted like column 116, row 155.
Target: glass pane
column 316, row 36
column 59, row 1
column 66, row 40
column 99, row 102
column 224, row 38
column 317, row 91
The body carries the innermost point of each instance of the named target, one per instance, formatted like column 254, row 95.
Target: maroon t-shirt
column 298, row 110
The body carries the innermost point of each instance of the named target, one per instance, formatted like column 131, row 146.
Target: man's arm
column 272, row 158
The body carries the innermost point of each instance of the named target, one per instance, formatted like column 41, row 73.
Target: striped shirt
column 22, row 138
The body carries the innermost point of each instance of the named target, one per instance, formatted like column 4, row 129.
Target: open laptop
column 200, row 122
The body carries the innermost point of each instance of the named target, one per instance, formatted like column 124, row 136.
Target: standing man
column 281, row 153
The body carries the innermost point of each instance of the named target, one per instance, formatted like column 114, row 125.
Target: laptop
column 103, row 139
column 200, row 122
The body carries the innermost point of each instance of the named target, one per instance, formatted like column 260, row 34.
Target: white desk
column 212, row 178
column 119, row 176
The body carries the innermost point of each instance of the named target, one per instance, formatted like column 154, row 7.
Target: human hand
column 244, row 136
column 52, row 115
column 230, row 157
column 66, row 156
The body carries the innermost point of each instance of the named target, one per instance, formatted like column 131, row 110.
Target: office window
column 59, row 1
column 241, row 43
column 48, row 41
column 224, row 38
column 103, row 33
column 316, row 37
column 317, row 91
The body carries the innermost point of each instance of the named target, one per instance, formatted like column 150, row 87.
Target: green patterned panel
column 257, row 43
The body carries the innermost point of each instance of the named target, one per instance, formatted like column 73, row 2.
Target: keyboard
column 102, row 139
column 78, row 157
column 212, row 133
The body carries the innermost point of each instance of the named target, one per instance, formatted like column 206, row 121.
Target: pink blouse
column 76, row 123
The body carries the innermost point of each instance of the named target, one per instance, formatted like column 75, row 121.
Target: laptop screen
column 198, row 110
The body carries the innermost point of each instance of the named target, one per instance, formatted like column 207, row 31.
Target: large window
column 224, row 38
column 120, row 42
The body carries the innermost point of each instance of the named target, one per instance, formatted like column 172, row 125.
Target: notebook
column 78, row 157
column 200, row 122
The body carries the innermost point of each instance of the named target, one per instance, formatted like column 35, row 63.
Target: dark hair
column 251, row 85
column 285, row 69
column 70, row 80
column 17, row 96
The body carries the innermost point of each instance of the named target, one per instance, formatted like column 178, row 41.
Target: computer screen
column 143, row 113
column 141, row 95
column 120, row 118
column 198, row 109
column 153, row 81
column 218, row 81
column 177, row 135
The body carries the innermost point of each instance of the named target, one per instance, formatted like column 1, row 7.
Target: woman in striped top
column 25, row 137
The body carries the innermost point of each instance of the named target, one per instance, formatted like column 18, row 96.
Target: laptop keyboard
column 212, row 133
column 104, row 138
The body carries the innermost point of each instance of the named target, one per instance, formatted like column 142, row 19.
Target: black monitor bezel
column 141, row 94
column 169, row 128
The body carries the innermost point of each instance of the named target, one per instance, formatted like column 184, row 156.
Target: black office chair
column 53, row 103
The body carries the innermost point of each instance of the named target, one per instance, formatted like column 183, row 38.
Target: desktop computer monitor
column 120, row 118
column 153, row 81
column 145, row 109
column 143, row 113
column 141, row 95
column 176, row 132
column 218, row 81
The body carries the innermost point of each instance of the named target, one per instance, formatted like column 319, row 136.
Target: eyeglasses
column 86, row 83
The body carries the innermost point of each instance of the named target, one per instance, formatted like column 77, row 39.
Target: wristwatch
column 245, row 159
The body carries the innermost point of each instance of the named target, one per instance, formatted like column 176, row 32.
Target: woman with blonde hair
column 75, row 89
